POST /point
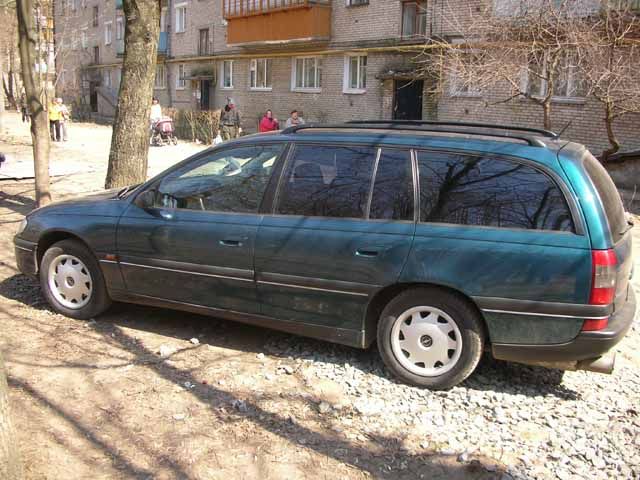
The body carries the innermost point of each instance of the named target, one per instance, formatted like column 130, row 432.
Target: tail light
column 603, row 285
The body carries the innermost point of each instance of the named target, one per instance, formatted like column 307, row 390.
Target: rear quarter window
column 609, row 196
column 488, row 191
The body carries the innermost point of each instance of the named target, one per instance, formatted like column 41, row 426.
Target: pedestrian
column 65, row 116
column 268, row 123
column 230, row 126
column 24, row 108
column 54, row 121
column 294, row 119
column 156, row 111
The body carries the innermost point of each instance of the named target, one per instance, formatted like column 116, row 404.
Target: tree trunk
column 9, row 459
column 1, row 96
column 546, row 108
column 611, row 136
column 130, row 140
column 35, row 93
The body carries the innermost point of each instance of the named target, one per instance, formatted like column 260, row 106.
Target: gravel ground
column 148, row 393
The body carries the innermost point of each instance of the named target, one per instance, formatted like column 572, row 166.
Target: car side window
column 327, row 181
column 232, row 180
column 489, row 191
column 393, row 187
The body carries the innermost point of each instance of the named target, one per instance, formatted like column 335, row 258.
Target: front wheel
column 430, row 338
column 72, row 281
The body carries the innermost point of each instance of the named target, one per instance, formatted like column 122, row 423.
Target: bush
column 195, row 125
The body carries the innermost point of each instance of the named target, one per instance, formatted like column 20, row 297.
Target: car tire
column 72, row 282
column 430, row 338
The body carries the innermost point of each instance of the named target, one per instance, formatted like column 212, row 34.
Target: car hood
column 104, row 203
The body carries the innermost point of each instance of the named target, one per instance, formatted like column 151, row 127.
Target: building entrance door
column 93, row 96
column 205, row 86
column 407, row 99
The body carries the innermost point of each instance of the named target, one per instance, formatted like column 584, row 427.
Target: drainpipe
column 168, row 54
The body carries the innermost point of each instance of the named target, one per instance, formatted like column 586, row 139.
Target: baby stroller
column 162, row 132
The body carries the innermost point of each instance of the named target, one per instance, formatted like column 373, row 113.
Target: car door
column 195, row 243
column 330, row 244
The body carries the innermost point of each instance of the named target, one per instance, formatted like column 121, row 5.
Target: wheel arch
column 54, row 236
column 386, row 294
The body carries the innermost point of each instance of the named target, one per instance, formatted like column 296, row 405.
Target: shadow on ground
column 491, row 375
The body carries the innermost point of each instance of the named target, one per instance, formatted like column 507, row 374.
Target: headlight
column 23, row 225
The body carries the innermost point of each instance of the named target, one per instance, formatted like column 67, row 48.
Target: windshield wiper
column 126, row 190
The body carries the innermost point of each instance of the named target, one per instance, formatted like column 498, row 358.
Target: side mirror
column 146, row 199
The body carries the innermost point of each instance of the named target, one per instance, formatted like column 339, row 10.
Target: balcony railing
column 245, row 8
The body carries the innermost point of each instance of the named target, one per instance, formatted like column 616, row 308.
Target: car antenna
column 565, row 128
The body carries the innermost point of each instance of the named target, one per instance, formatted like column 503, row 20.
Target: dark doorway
column 205, row 86
column 407, row 99
column 93, row 96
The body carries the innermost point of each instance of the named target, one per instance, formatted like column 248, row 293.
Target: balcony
column 162, row 45
column 277, row 21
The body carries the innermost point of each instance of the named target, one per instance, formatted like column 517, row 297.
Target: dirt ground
column 95, row 400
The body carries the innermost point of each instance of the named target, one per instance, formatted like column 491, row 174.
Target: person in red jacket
column 268, row 123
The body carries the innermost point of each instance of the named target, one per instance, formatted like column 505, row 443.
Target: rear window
column 609, row 196
column 488, row 191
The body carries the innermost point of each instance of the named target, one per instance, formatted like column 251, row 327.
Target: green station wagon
column 435, row 240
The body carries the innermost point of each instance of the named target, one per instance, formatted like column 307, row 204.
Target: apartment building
column 332, row 60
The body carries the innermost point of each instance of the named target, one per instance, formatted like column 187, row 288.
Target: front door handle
column 231, row 243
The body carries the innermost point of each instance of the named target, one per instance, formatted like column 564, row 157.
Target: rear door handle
column 367, row 252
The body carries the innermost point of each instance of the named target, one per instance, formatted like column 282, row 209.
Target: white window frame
column 181, row 82
column 74, row 5
column 571, row 80
column 362, row 82
column 161, row 67
column 222, row 64
column 181, row 20
column 119, row 27
column 84, row 41
column 317, row 88
column 83, row 3
column 106, row 75
column 108, row 32
column 255, row 64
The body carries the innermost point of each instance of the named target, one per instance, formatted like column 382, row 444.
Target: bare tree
column 527, row 46
column 35, row 85
column 610, row 59
column 130, row 140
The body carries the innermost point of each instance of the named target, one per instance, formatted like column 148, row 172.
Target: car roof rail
column 491, row 126
column 381, row 125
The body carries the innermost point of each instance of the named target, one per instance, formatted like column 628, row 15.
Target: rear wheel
column 72, row 281
column 430, row 338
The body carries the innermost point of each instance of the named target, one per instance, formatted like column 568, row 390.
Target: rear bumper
column 25, row 256
column 586, row 346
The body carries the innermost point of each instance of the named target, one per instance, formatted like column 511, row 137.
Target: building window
column 108, row 32
column 414, row 19
column 107, row 78
column 260, row 75
column 355, row 3
column 95, row 16
column 307, row 73
column 83, row 38
column 459, row 86
column 96, row 54
column 119, row 28
column 73, row 4
column 83, row 3
column 355, row 74
column 181, row 83
column 181, row 18
column 568, row 83
column 161, row 77
column 227, row 74
column 203, row 41
column 118, row 77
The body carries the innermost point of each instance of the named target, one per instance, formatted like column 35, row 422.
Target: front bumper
column 586, row 346
column 25, row 252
